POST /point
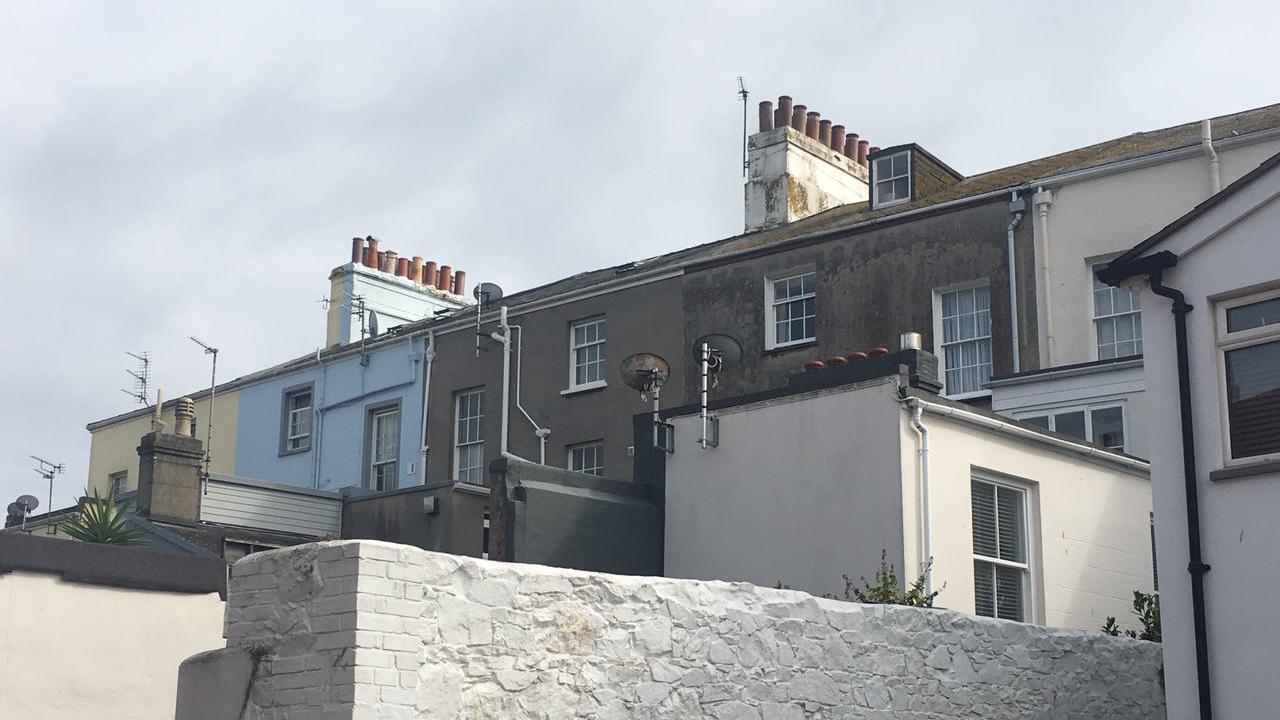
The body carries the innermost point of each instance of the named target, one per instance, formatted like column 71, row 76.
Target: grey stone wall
column 364, row 629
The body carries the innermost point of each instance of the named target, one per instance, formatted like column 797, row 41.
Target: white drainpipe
column 1042, row 199
column 541, row 432
column 423, row 448
column 504, row 336
column 926, row 488
column 1013, row 289
column 1206, row 144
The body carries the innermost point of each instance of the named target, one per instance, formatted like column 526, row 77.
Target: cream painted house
column 814, row 480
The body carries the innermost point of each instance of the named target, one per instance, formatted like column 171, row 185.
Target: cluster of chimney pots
column 442, row 277
column 810, row 123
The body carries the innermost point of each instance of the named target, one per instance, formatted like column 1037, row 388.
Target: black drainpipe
column 1196, row 565
column 1153, row 266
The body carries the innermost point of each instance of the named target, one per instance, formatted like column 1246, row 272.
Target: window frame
column 877, row 203
column 1240, row 339
column 371, row 413
column 115, row 477
column 286, row 396
column 1030, row 607
column 1087, row 409
column 771, row 302
column 938, row 344
column 456, row 463
column 597, row 445
column 1093, row 266
column 575, row 386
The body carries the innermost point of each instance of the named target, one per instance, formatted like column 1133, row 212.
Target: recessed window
column 468, row 438
column 1102, row 424
column 384, row 446
column 119, row 484
column 1117, row 319
column 295, row 421
column 587, row 458
column 793, row 310
column 892, row 179
column 1249, row 338
column 586, row 354
column 965, row 325
column 1001, row 570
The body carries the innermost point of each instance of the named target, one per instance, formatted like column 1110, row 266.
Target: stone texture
column 426, row 635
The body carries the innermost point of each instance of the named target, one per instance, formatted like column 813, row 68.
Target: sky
column 177, row 169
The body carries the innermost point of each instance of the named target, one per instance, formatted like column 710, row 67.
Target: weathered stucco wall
column 365, row 629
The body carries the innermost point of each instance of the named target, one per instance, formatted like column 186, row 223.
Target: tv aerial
column 486, row 294
column 208, row 426
column 23, row 507
column 47, row 470
column 647, row 373
column 141, row 378
column 712, row 353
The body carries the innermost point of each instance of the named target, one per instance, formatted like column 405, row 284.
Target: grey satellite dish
column 486, row 293
column 644, row 371
column 29, row 502
column 373, row 324
column 725, row 347
column 16, row 510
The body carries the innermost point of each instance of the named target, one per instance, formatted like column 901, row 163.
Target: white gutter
column 926, row 489
column 423, row 448
column 317, row 432
column 1206, row 144
column 1042, row 199
column 1013, row 288
column 1016, row 430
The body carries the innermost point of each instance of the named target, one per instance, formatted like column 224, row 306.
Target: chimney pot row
column 809, row 122
column 365, row 252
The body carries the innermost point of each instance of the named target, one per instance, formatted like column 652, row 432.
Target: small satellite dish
column 30, row 502
column 644, row 371
column 16, row 510
column 373, row 324
column 728, row 349
column 486, row 293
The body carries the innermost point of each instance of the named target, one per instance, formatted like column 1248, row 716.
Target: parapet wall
column 365, row 629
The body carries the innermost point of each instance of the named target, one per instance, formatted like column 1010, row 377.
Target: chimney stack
column 169, row 472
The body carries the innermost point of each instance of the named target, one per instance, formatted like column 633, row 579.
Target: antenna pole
column 47, row 470
column 208, row 428
column 706, row 359
column 742, row 92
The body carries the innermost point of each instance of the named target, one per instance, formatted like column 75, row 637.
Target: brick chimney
column 798, row 165
column 169, row 471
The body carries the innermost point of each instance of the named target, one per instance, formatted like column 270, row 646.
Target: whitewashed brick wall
column 364, row 629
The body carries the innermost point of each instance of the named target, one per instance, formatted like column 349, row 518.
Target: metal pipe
column 1013, row 289
column 539, row 431
column 706, row 359
column 423, row 447
column 1206, row 144
column 1042, row 199
column 926, row 492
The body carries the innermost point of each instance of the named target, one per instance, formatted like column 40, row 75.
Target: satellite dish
column 644, row 371
column 726, row 347
column 486, row 293
column 16, row 510
column 373, row 324
column 29, row 502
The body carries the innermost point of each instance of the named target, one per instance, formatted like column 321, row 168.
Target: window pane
column 1254, row 315
column 984, row 588
column 1108, row 427
column 984, row 520
column 1253, row 399
column 1009, row 593
column 1102, row 302
column 1040, row 421
column 900, row 164
column 1010, row 525
column 1070, row 423
column 900, row 189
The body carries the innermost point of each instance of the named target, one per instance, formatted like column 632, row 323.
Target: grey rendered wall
column 763, row 507
column 871, row 287
column 456, row 527
column 640, row 319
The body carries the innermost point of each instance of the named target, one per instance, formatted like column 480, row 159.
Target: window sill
column 969, row 395
column 299, row 451
column 775, row 349
column 585, row 388
column 1262, row 467
column 466, row 487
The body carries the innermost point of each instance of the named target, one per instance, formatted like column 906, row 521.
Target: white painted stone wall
column 363, row 629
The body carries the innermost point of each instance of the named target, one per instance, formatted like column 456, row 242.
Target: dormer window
column 892, row 177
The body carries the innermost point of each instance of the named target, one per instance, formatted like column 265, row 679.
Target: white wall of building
column 1240, row 532
column 70, row 650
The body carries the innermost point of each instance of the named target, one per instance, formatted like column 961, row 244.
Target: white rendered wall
column 362, row 629
column 1239, row 530
column 396, row 300
column 792, row 176
column 70, row 650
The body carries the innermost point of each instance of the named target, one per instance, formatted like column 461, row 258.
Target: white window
column 468, row 443
column 587, row 458
column 1249, row 338
column 1117, row 319
column 586, row 354
column 793, row 310
column 1001, row 572
column 964, row 326
column 1099, row 424
column 893, row 179
column 384, row 446
column 119, row 484
column 297, row 421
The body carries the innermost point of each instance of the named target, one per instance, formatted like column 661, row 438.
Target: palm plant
column 100, row 520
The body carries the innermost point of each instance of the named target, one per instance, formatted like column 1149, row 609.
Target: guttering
column 1206, row 144
column 1019, row 431
column 926, row 488
column 423, row 448
column 1013, row 285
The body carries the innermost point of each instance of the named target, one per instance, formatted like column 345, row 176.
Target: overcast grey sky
column 175, row 169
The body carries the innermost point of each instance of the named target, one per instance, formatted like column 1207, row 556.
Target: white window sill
column 471, row 488
column 585, row 388
column 969, row 395
column 779, row 347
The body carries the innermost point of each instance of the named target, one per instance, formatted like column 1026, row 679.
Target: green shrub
column 1147, row 607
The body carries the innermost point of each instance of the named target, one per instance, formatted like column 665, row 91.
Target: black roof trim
column 1073, row 366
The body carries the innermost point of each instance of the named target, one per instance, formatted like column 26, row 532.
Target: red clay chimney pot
column 811, row 124
column 459, row 282
column 797, row 118
column 429, row 273
column 766, row 115
column 824, row 132
column 782, row 116
column 444, row 280
column 357, row 250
